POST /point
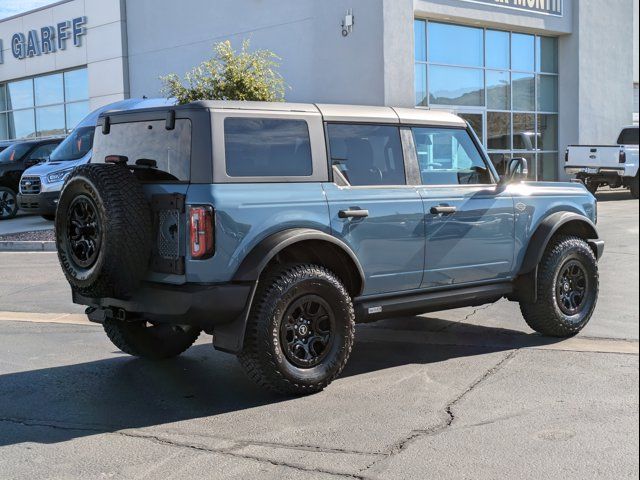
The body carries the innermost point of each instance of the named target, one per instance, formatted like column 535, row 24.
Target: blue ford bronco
column 276, row 227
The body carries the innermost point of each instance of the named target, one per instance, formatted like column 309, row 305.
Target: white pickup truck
column 599, row 165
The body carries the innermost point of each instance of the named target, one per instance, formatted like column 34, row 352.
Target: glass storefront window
column 498, row 131
column 504, row 83
column 547, row 132
column 455, row 45
column 75, row 112
column 497, row 51
column 522, row 52
column 547, row 54
column 50, row 120
column 498, row 90
column 547, row 93
column 61, row 101
column 76, row 85
column 456, row 86
column 524, row 91
column 524, row 131
column 500, row 161
column 48, row 89
column 22, row 124
column 19, row 94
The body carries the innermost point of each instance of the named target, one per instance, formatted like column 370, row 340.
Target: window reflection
column 76, row 112
column 498, row 131
column 497, row 51
column 547, row 54
column 50, row 120
column 523, row 88
column 456, row 86
column 547, row 93
column 522, row 52
column 22, row 124
column 76, row 85
column 524, row 131
column 20, row 94
column 455, row 45
column 498, row 90
column 548, row 132
column 48, row 89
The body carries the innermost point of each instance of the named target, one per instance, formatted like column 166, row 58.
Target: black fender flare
column 253, row 264
column 526, row 282
column 547, row 229
column 229, row 337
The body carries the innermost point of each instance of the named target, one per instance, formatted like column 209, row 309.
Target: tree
column 229, row 75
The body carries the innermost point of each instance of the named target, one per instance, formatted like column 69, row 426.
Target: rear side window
column 267, row 147
column 628, row 136
column 170, row 149
column 367, row 154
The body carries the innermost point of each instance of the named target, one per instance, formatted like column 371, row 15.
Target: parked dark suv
column 276, row 227
column 14, row 160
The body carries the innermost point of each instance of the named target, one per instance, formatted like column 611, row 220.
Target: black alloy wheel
column 307, row 331
column 83, row 231
column 8, row 204
column 571, row 287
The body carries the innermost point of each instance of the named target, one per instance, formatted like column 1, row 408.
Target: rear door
column 469, row 223
column 371, row 206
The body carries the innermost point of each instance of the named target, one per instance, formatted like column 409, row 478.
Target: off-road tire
column 633, row 187
column 153, row 342
column 263, row 356
column 8, row 196
column 545, row 315
column 123, row 233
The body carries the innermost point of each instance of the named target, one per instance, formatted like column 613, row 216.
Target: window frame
column 319, row 172
column 408, row 172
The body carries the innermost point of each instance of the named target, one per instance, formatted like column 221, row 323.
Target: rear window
column 170, row 149
column 628, row 136
column 265, row 147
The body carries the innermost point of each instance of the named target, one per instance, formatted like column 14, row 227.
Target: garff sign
column 48, row 39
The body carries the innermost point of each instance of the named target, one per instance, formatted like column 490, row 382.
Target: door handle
column 355, row 213
column 443, row 210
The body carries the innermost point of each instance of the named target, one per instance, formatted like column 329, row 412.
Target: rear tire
column 8, row 203
column 150, row 341
column 567, row 289
column 300, row 331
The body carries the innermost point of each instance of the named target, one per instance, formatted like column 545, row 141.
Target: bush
column 229, row 75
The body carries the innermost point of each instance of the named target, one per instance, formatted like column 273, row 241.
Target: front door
column 371, row 207
column 469, row 223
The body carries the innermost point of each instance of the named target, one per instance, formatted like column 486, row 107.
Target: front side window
column 267, row 147
column 150, row 140
column 367, row 154
column 449, row 157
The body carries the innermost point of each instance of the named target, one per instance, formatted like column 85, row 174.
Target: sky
column 13, row 7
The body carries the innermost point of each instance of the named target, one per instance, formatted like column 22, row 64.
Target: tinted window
column 367, row 154
column 628, row 136
column 14, row 152
column 75, row 146
column 267, row 147
column 170, row 149
column 449, row 157
column 43, row 151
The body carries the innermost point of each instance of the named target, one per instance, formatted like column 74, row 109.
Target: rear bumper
column 44, row 203
column 201, row 305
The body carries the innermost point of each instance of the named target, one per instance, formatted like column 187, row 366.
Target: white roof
column 347, row 113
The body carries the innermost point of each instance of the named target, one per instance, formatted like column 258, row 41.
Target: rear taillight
column 622, row 157
column 201, row 232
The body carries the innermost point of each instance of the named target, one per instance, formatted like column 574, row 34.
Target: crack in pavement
column 378, row 466
column 466, row 317
column 232, row 450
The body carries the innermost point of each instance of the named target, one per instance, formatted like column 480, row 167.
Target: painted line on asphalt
column 66, row 318
column 383, row 335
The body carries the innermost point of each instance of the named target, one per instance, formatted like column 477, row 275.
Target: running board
column 376, row 308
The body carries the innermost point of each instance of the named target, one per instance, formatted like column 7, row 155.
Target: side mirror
column 517, row 169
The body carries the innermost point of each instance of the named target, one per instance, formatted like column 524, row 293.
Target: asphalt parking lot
column 469, row 393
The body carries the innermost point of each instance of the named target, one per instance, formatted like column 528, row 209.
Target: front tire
column 8, row 203
column 300, row 331
column 633, row 187
column 150, row 341
column 567, row 289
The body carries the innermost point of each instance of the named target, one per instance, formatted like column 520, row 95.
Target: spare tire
column 103, row 231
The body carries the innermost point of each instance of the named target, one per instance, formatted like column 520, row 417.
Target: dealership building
column 531, row 76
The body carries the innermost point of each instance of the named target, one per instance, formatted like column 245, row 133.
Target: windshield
column 75, row 146
column 14, row 152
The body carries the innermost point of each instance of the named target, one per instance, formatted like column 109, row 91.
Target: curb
column 27, row 246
